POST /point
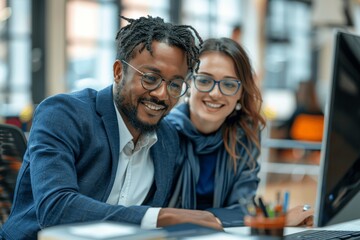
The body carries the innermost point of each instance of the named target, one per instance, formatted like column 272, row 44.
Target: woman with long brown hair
column 219, row 127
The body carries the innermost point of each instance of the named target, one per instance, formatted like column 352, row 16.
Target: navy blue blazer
column 70, row 165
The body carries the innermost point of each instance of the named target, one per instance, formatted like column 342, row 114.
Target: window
column 288, row 51
column 91, row 30
column 91, row 27
column 138, row 8
column 15, row 57
column 212, row 18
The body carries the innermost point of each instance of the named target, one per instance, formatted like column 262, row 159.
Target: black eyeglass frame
column 215, row 82
column 168, row 82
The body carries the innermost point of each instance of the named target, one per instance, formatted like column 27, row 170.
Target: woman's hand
column 298, row 217
column 171, row 216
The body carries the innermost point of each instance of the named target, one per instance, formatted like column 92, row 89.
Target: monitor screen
column 338, row 196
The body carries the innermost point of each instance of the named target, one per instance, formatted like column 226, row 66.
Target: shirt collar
column 126, row 138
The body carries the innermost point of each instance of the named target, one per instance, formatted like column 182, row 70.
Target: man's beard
column 130, row 112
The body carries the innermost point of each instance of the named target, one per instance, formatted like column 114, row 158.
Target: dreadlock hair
column 145, row 30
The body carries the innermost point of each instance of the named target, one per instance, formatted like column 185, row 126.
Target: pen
column 254, row 202
column 278, row 197
column 257, row 208
column 270, row 209
column 286, row 201
column 262, row 207
column 278, row 206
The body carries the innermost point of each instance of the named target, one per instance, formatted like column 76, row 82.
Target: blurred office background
column 55, row 46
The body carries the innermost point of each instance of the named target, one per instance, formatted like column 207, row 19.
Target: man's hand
column 297, row 217
column 171, row 216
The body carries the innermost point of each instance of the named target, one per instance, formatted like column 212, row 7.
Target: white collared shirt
column 135, row 172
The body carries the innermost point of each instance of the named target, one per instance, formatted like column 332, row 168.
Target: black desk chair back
column 12, row 148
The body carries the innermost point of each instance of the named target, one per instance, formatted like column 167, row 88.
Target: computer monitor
column 338, row 195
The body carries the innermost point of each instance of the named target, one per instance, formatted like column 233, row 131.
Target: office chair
column 12, row 148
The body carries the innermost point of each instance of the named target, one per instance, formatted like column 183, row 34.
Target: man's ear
column 117, row 70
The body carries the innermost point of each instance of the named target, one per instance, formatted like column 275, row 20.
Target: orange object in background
column 307, row 127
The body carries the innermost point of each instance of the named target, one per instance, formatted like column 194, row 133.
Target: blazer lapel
column 106, row 109
column 164, row 164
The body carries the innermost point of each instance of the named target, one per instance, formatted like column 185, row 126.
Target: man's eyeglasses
column 151, row 81
column 228, row 87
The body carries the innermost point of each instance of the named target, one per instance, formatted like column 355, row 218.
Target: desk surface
column 111, row 230
column 348, row 226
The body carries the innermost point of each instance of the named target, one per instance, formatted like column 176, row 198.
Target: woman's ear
column 187, row 96
column 117, row 70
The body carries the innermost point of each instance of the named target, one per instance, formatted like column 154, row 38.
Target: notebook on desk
column 338, row 192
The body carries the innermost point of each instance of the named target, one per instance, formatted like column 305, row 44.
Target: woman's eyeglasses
column 228, row 87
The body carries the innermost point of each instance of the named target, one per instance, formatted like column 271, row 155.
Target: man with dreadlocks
column 106, row 155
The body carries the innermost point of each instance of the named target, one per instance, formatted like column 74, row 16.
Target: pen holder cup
column 262, row 226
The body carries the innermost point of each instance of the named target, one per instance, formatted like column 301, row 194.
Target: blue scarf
column 192, row 144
